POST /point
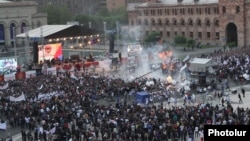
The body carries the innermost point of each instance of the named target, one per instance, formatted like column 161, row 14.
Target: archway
column 231, row 34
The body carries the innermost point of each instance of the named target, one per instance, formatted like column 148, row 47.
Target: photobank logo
column 212, row 132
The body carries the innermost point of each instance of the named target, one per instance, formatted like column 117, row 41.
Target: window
column 207, row 23
column 132, row 23
column 161, row 33
column 153, row 22
column 147, row 32
column 183, row 34
column 167, row 22
column 175, row 22
column 207, row 10
column 168, row 34
column 146, row 12
column 159, row 22
column 200, row 35
column 182, row 22
column 223, row 9
column 237, row 9
column 217, row 34
column 208, row 35
column 191, row 34
column 152, row 12
column 191, row 22
column 146, row 22
column 199, row 22
column 175, row 33
column 216, row 23
column 159, row 12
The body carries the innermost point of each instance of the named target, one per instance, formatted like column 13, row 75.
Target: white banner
column 16, row 99
column 4, row 87
column 3, row 126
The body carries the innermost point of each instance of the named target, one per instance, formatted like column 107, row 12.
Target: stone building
column 18, row 17
column 215, row 22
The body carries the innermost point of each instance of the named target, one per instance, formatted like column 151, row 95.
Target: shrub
column 231, row 44
column 180, row 40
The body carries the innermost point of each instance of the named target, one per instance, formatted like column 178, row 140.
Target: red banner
column 20, row 75
column 1, row 78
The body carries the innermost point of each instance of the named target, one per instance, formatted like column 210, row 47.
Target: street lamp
column 104, row 24
column 117, row 32
column 14, row 39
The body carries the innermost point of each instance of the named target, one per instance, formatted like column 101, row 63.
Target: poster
column 49, row 52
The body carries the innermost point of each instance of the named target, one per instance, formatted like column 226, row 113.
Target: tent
column 142, row 97
column 200, row 64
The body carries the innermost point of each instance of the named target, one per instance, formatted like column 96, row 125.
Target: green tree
column 152, row 37
column 180, row 40
column 190, row 43
column 57, row 14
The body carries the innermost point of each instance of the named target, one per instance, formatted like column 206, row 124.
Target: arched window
column 2, row 37
column 23, row 27
column 191, row 22
column 139, row 22
column 183, row 22
column 207, row 22
column 12, row 30
column 146, row 22
column 153, row 22
column 167, row 22
column 174, row 22
column 216, row 23
column 199, row 22
column 160, row 22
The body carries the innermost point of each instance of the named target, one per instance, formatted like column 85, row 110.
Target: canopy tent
column 200, row 64
column 57, row 31
column 142, row 97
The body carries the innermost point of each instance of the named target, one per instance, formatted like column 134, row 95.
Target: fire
column 169, row 79
column 165, row 54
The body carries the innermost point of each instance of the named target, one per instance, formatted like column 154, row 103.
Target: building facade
column 76, row 7
column 214, row 22
column 18, row 17
column 115, row 4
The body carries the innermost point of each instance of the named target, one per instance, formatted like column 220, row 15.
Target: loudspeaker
column 202, row 80
column 35, row 52
column 111, row 43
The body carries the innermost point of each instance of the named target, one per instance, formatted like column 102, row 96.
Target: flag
column 3, row 126
column 4, row 86
column 53, row 130
column 1, row 78
column 20, row 75
column 16, row 99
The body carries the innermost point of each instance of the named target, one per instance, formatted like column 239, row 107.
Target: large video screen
column 8, row 65
column 50, row 51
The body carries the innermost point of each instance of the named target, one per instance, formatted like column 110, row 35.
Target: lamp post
column 104, row 24
column 14, row 39
column 117, row 33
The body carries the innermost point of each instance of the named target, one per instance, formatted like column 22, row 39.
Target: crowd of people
column 59, row 107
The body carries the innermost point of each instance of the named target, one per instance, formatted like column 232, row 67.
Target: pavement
column 178, row 52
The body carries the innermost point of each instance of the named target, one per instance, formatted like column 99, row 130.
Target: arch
column 216, row 22
column 38, row 24
column 198, row 22
column 139, row 21
column 182, row 21
column 190, row 22
column 145, row 21
column 231, row 33
column 159, row 22
column 12, row 29
column 207, row 22
column 166, row 21
column 152, row 21
column 174, row 21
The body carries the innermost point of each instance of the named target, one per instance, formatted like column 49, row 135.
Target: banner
column 16, row 99
column 3, row 126
column 1, row 78
column 20, row 75
column 4, row 86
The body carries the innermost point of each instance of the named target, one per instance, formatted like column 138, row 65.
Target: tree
column 152, row 37
column 57, row 14
column 190, row 43
column 180, row 40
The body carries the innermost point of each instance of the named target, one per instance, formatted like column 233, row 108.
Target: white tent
column 200, row 64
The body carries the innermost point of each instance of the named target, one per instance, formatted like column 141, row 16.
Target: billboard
column 49, row 52
column 8, row 65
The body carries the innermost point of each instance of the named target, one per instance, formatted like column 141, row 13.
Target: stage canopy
column 58, row 31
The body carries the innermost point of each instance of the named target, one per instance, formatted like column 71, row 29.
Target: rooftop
column 176, row 2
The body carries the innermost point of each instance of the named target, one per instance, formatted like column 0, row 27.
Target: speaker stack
column 35, row 52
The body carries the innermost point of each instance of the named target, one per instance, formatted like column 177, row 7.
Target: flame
column 169, row 79
column 165, row 54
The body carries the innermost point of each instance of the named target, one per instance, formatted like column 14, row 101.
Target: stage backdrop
column 50, row 51
column 142, row 97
